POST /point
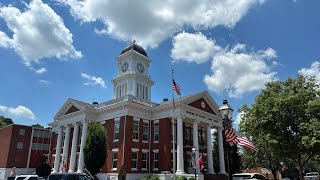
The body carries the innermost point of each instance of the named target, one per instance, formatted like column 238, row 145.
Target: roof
column 135, row 47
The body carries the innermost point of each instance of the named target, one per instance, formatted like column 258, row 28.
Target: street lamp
column 194, row 161
column 226, row 113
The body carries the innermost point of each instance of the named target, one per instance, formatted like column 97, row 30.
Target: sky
column 52, row 50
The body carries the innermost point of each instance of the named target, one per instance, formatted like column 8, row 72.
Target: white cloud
column 45, row 82
column 20, row 111
column 313, row 71
column 39, row 71
column 38, row 33
column 234, row 70
column 193, row 48
column 151, row 22
column 93, row 80
column 239, row 118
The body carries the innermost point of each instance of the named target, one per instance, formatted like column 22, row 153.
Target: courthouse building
column 139, row 131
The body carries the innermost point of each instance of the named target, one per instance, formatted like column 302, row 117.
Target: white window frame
column 135, row 120
column 145, row 133
column 22, row 132
column 156, row 151
column 116, row 150
column 154, row 131
column 116, row 130
column 134, row 150
column 144, row 151
column 172, row 159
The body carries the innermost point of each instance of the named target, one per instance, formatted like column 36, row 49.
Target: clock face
column 140, row 67
column 125, row 67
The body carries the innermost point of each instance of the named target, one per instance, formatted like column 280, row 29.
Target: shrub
column 181, row 178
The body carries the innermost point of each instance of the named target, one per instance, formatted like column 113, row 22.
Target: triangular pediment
column 71, row 110
column 202, row 101
column 71, row 106
column 203, row 105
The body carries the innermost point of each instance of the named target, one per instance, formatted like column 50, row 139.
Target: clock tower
column 133, row 73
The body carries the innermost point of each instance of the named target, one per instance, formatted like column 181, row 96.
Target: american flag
column 175, row 87
column 243, row 141
column 231, row 136
column 230, row 133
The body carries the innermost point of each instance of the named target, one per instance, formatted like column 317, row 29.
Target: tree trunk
column 301, row 172
column 274, row 173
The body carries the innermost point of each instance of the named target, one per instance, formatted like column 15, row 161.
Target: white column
column 180, row 163
column 196, row 143
column 74, row 148
column 66, row 144
column 83, row 139
column 221, row 153
column 58, row 151
column 209, row 150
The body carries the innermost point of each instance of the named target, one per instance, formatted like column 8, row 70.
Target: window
column 134, row 159
column 144, row 160
column 172, row 159
column 145, row 131
column 156, row 131
column 187, row 135
column 19, row 145
column 155, row 160
column 190, row 159
column 116, row 129
column 175, row 132
column 135, row 134
column 22, row 132
column 115, row 159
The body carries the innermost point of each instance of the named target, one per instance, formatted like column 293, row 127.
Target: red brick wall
column 19, row 157
column 5, row 136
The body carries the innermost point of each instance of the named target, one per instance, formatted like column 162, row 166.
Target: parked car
column 242, row 176
column 312, row 176
column 69, row 176
column 24, row 177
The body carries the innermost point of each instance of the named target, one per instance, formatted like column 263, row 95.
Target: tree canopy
column 5, row 121
column 95, row 148
column 284, row 122
column 37, row 125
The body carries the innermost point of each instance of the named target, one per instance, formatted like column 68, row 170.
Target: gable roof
column 74, row 104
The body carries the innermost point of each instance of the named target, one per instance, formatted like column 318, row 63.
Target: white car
column 26, row 177
column 242, row 176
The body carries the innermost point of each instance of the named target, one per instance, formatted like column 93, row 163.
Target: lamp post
column 226, row 113
column 194, row 161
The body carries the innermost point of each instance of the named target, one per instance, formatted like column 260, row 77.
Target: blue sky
column 53, row 50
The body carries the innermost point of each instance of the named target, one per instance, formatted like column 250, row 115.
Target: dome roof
column 135, row 47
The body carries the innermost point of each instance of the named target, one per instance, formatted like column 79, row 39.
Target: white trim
column 135, row 140
column 144, row 169
column 134, row 169
column 155, row 169
column 145, row 121
column 156, row 121
column 156, row 151
column 134, row 149
column 136, row 119
column 145, row 150
column 113, row 169
column 115, row 149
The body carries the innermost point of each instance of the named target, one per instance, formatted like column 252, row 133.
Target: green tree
column 5, row 121
column 37, row 126
column 284, row 122
column 95, row 148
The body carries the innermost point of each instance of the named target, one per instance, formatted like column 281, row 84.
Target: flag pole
column 173, row 132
